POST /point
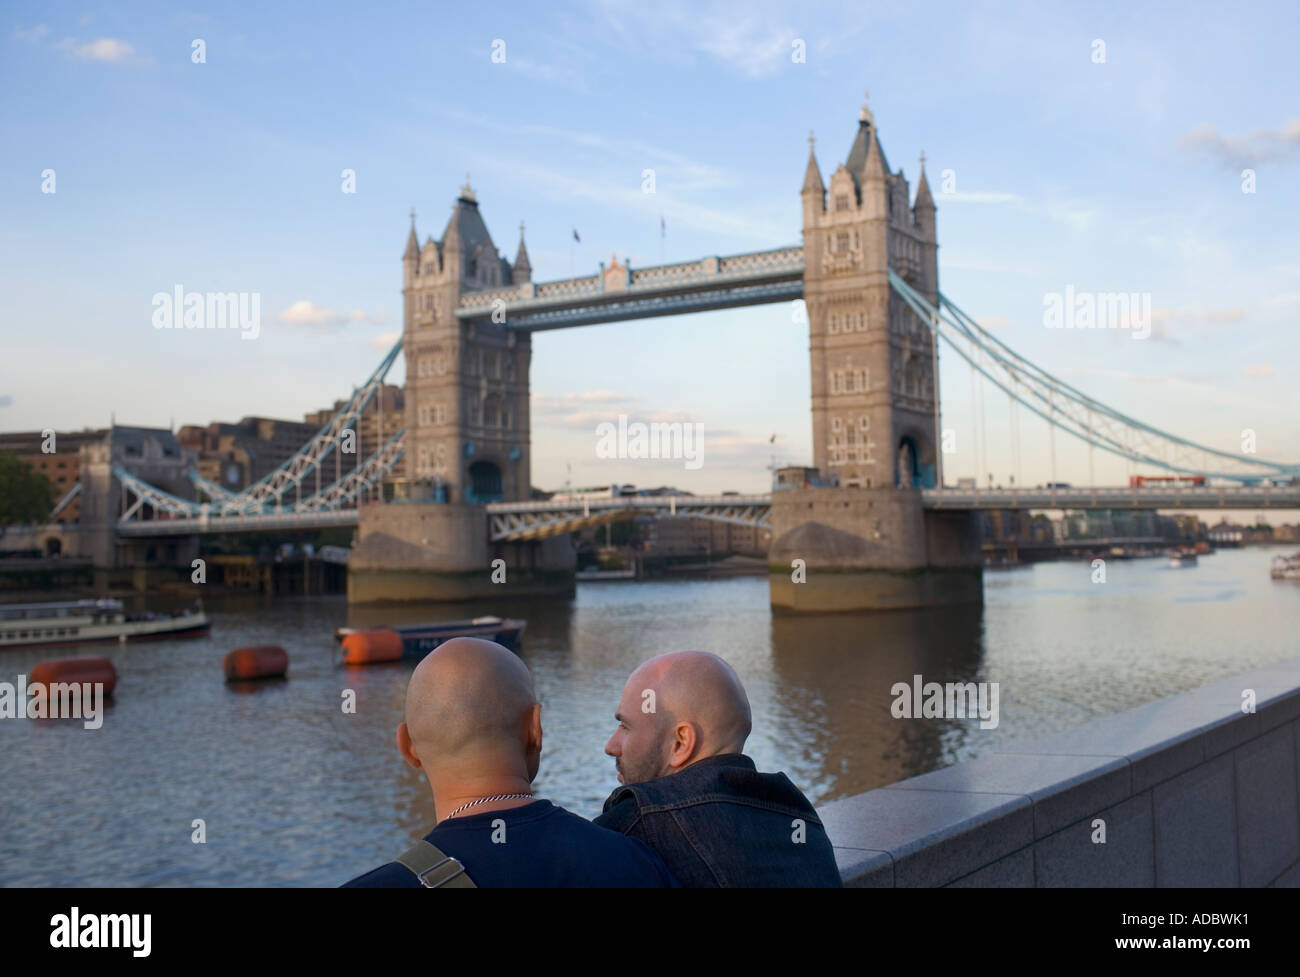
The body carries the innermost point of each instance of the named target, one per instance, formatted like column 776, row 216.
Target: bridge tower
column 874, row 395
column 467, row 435
column 466, row 384
column 861, row 535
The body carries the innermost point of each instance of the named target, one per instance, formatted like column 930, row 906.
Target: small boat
column 605, row 575
column 420, row 639
column 1183, row 556
column 78, row 622
column 1285, row 567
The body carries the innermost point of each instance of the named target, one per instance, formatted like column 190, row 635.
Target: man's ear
column 534, row 727
column 407, row 748
column 686, row 743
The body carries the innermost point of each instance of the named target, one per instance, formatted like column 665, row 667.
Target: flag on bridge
column 575, row 236
column 663, row 228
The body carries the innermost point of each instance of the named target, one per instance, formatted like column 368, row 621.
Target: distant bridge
column 517, row 521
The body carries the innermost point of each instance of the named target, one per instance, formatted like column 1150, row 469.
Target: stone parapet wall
column 1191, row 790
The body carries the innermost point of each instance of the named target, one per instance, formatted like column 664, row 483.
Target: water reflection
column 837, row 672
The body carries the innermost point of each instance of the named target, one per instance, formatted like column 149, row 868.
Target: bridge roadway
column 539, row 520
column 621, row 292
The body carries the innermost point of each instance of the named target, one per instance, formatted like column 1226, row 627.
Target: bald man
column 692, row 795
column 473, row 725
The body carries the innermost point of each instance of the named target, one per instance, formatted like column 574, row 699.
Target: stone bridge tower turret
column 863, row 539
column 874, row 365
column 466, row 383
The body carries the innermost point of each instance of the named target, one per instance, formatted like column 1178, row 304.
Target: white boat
column 86, row 621
column 605, row 575
column 1184, row 556
column 1285, row 567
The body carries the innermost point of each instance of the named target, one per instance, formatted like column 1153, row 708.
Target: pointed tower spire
column 873, row 166
column 523, row 269
column 412, row 243
column 812, row 178
column 923, row 199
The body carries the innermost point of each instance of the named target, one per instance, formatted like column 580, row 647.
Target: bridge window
column 842, row 242
column 837, row 381
column 842, row 201
column 861, row 384
column 836, row 424
column 851, row 437
column 864, row 422
column 834, row 325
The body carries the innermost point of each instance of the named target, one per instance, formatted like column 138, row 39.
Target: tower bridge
column 876, row 527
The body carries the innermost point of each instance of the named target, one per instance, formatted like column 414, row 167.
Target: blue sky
column 1115, row 176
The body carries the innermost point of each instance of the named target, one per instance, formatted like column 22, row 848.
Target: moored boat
column 420, row 639
column 88, row 621
column 1285, row 567
column 1183, row 556
column 605, row 575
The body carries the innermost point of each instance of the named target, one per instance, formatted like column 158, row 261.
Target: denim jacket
column 719, row 822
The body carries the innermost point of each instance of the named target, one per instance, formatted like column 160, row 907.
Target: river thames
column 293, row 791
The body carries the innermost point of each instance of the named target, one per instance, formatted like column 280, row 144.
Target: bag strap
column 434, row 869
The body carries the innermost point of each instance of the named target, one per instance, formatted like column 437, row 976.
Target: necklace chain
column 485, row 800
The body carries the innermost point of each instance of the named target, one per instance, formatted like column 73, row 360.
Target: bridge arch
column 484, row 482
column 914, row 461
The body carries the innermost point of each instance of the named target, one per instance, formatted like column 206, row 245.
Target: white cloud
column 32, row 35
column 981, row 197
column 305, row 312
column 755, row 42
column 1279, row 145
column 1258, row 370
column 108, row 49
column 384, row 341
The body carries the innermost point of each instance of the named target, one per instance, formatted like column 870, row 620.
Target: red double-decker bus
column 1158, row 481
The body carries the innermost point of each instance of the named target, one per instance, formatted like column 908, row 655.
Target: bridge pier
column 441, row 552
column 869, row 549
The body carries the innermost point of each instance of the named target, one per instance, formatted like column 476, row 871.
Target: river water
column 293, row 791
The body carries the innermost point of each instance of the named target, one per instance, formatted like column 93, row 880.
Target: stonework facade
column 467, row 428
column 874, row 362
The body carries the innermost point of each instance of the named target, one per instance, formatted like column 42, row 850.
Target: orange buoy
column 86, row 671
column 368, row 647
column 258, row 661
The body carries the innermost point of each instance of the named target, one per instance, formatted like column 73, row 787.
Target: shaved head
column 676, row 709
column 469, row 702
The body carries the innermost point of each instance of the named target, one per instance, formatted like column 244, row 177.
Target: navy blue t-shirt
column 544, row 847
